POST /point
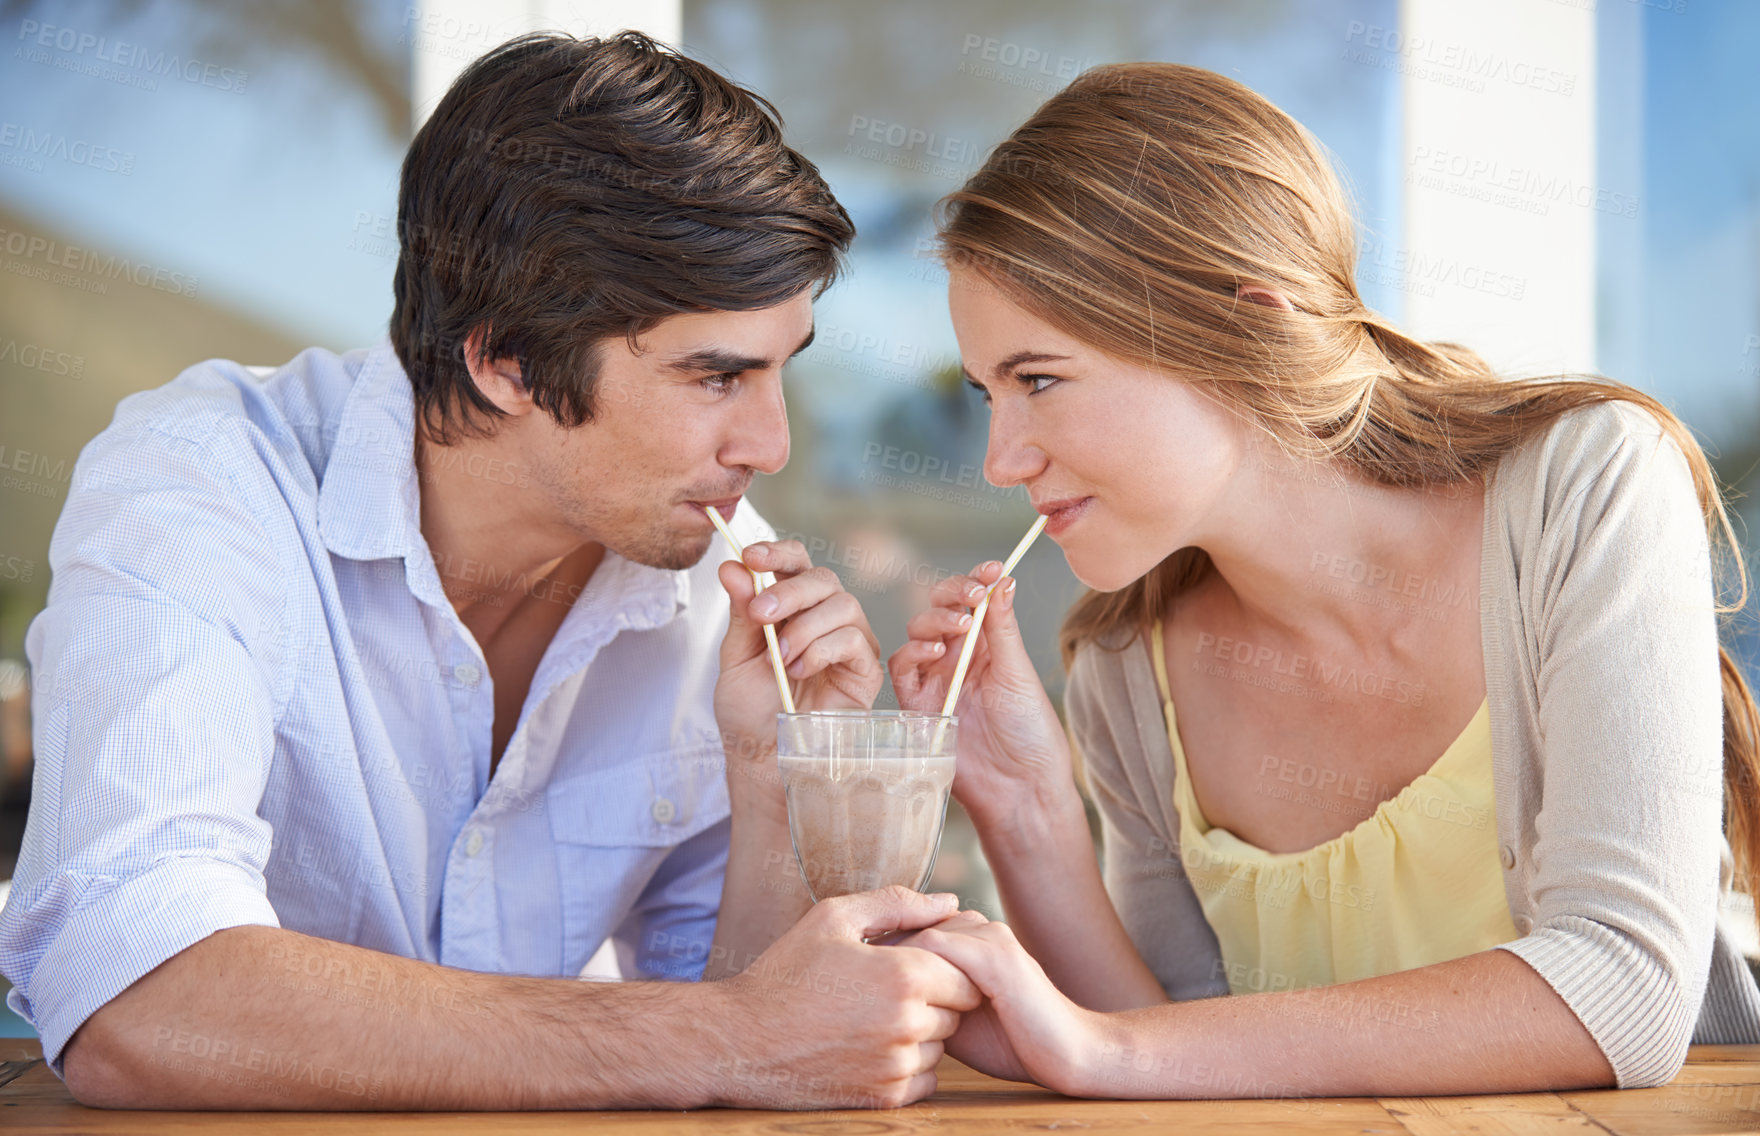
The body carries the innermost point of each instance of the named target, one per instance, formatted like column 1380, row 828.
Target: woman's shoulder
column 1601, row 444
column 1102, row 676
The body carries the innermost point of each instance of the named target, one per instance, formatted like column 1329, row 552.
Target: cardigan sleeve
column 1618, row 610
column 1141, row 864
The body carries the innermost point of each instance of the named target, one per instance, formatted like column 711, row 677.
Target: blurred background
column 1562, row 184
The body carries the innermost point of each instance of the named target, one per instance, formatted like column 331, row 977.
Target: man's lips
column 723, row 505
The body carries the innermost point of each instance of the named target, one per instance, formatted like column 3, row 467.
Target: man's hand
column 824, row 1020
column 832, row 657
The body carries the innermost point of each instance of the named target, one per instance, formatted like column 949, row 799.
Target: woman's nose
column 1008, row 458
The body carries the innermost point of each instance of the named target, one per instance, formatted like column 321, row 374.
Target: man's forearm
column 263, row 1018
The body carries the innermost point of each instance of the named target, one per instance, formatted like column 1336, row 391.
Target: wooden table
column 1717, row 1092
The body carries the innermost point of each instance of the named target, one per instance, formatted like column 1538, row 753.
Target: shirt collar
column 369, row 505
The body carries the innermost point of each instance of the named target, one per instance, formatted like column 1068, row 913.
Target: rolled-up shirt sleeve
column 1626, row 855
column 154, row 723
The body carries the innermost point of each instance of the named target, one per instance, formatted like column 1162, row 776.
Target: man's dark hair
column 566, row 191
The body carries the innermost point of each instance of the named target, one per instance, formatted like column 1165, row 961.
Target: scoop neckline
column 1170, row 719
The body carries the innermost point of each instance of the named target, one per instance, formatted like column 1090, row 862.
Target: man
column 375, row 693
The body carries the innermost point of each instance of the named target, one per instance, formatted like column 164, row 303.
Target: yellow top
column 1414, row 884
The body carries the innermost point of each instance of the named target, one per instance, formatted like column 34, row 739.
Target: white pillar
column 446, row 35
column 1500, row 209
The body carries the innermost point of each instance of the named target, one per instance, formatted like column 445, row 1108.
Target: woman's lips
column 1062, row 514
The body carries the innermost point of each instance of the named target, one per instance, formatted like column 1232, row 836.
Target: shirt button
column 663, row 810
column 1523, row 924
column 1509, row 858
column 473, row 843
column 467, row 673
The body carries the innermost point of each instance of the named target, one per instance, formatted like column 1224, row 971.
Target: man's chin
column 682, row 551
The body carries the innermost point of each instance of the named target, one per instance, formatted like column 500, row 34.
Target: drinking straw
column 971, row 643
column 769, row 629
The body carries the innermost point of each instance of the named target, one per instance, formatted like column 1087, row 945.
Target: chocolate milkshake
column 865, row 823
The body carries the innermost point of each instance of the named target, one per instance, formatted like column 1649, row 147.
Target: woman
column 1398, row 686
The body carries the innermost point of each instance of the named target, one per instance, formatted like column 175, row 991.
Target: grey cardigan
column 1601, row 673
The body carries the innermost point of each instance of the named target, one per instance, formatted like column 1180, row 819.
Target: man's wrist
column 715, row 1063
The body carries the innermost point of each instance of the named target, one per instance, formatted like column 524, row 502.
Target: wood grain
column 1718, row 1092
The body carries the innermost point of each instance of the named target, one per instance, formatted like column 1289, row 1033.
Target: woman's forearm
column 1042, row 856
column 762, row 893
column 1486, row 1023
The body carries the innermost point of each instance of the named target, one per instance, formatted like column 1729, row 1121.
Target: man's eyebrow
column 718, row 360
column 721, row 361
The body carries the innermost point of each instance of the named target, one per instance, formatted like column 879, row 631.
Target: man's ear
column 498, row 380
column 1263, row 296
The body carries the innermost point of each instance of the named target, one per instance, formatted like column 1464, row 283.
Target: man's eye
column 722, row 383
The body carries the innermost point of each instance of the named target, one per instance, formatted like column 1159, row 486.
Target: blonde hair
column 1129, row 211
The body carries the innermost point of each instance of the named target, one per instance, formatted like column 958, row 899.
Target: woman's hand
column 1025, row 1029
column 1012, row 749
column 830, row 653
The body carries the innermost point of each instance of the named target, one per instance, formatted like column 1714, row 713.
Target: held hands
column 831, row 655
column 825, row 1020
column 1025, row 1029
column 1011, row 744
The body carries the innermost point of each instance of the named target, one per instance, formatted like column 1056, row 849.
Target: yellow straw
column 769, row 630
column 971, row 643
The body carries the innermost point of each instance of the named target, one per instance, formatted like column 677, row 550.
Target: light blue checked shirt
column 254, row 705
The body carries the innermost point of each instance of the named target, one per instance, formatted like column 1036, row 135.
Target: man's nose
column 760, row 439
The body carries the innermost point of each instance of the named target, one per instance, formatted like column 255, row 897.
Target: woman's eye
column 1039, row 382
